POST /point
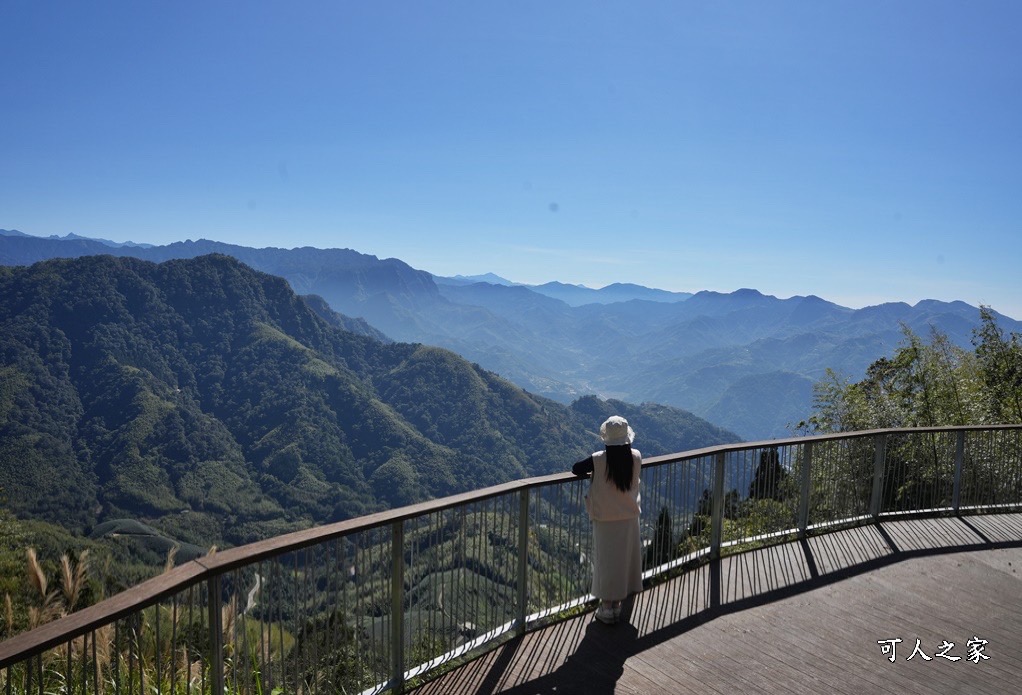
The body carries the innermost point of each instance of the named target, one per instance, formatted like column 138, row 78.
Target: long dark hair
column 619, row 466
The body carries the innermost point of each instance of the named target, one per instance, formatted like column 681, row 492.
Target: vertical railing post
column 397, row 605
column 216, row 635
column 879, row 458
column 956, row 495
column 803, row 499
column 717, row 508
column 523, row 560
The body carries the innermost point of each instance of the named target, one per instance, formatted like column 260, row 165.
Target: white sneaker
column 606, row 615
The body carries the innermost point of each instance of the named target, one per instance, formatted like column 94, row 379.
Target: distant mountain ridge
column 745, row 360
column 574, row 295
column 76, row 237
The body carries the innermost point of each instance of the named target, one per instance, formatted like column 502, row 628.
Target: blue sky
column 860, row 151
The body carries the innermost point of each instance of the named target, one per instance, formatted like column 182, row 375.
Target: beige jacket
column 605, row 502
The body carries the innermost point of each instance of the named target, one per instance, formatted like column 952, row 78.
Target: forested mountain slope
column 212, row 402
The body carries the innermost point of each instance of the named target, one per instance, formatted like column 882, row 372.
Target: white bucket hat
column 615, row 431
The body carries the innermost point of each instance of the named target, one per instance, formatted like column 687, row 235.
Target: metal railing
column 373, row 603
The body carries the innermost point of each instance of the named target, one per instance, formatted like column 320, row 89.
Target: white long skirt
column 617, row 559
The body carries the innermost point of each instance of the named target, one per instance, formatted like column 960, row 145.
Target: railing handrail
column 199, row 570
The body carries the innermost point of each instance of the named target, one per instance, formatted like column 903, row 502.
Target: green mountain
column 210, row 403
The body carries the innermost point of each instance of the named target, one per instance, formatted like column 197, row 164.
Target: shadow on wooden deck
column 804, row 616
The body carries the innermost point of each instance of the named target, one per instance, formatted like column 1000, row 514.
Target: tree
column 926, row 384
column 661, row 550
column 768, row 481
column 1000, row 362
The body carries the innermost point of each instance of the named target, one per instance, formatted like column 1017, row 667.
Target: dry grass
column 53, row 603
column 8, row 615
column 36, row 575
column 168, row 565
column 50, row 605
column 73, row 578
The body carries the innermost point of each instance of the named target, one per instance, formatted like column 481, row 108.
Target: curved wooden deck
column 803, row 617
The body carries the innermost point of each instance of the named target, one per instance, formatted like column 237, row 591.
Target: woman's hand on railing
column 583, row 468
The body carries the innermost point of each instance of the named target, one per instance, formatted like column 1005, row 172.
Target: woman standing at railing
column 613, row 506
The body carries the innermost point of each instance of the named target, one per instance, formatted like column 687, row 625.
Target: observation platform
column 813, row 616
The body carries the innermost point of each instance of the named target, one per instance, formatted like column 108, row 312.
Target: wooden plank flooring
column 804, row 617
